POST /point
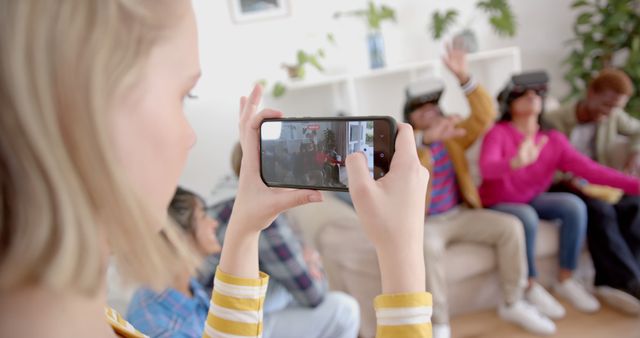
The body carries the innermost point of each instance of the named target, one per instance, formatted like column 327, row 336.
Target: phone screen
column 311, row 153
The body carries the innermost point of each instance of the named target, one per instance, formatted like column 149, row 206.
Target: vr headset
column 419, row 93
column 520, row 84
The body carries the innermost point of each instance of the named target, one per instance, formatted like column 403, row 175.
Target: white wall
column 233, row 56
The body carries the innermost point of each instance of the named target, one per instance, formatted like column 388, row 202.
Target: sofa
column 351, row 264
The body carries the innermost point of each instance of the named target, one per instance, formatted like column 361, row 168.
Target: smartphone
column 310, row 153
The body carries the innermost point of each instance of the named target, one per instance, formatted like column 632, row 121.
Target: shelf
column 381, row 91
column 321, row 81
column 510, row 52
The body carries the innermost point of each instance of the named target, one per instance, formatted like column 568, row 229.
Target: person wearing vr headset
column 518, row 160
column 453, row 205
column 593, row 125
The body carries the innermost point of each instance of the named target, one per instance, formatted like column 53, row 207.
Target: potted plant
column 607, row 35
column 297, row 70
column 278, row 89
column 501, row 18
column 375, row 16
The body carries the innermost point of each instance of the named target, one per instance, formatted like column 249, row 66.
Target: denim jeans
column 613, row 236
column 567, row 208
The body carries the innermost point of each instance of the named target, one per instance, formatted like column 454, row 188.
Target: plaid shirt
column 170, row 313
column 281, row 257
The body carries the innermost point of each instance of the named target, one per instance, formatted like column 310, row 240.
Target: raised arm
column 483, row 112
column 574, row 162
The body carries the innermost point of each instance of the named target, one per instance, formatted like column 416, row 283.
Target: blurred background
column 357, row 56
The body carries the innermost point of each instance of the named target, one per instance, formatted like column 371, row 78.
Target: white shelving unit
column 381, row 91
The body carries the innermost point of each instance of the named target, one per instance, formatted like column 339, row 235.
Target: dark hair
column 182, row 208
column 410, row 109
column 505, row 99
column 614, row 80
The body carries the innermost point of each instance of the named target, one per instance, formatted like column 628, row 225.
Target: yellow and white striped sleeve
column 404, row 315
column 120, row 326
column 236, row 307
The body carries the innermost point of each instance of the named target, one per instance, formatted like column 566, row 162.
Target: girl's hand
column 392, row 211
column 256, row 205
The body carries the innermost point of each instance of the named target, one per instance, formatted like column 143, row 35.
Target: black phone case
column 392, row 145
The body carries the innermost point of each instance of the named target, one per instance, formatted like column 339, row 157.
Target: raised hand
column 456, row 61
column 392, row 210
column 442, row 129
column 529, row 151
column 255, row 202
column 256, row 205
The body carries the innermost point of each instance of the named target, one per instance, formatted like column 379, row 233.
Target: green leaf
column 313, row 60
column 331, row 38
column 501, row 16
column 387, row 13
column 601, row 29
column 584, row 18
column 617, row 19
column 301, row 72
column 279, row 90
column 302, row 57
column 374, row 16
column 503, row 25
column 635, row 44
column 579, row 3
column 441, row 23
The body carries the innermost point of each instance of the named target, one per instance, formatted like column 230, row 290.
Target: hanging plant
column 373, row 15
column 501, row 18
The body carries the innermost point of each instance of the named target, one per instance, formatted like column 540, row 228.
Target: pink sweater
column 501, row 184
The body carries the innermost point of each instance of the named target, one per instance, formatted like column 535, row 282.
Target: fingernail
column 315, row 198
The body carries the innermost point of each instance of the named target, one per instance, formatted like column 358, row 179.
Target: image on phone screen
column 311, row 153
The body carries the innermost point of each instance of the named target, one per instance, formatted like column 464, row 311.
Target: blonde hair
column 62, row 192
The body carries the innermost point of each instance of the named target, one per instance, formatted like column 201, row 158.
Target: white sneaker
column 577, row 295
column 619, row 300
column 528, row 317
column 544, row 302
column 441, row 331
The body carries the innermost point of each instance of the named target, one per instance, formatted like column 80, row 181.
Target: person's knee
column 574, row 210
column 345, row 310
column 511, row 226
column 528, row 216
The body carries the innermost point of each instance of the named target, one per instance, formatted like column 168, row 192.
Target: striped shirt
column 236, row 307
column 444, row 187
column 236, row 311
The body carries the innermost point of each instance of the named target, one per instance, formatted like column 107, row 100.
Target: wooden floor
column 607, row 323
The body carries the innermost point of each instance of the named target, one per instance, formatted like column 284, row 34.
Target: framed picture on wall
column 252, row 10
